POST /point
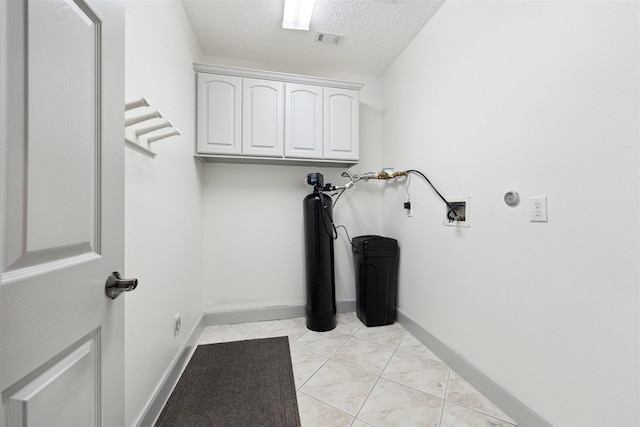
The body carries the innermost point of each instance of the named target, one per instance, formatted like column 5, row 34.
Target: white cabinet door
column 219, row 116
column 262, row 118
column 341, row 118
column 303, row 121
column 62, row 216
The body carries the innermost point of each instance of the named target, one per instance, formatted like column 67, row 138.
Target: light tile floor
column 359, row 376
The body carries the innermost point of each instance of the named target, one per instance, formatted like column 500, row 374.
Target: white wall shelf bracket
column 142, row 128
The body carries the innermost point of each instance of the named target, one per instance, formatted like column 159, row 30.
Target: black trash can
column 376, row 267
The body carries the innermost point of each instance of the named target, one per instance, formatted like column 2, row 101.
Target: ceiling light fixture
column 297, row 14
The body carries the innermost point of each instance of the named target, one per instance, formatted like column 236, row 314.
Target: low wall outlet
column 177, row 324
column 538, row 209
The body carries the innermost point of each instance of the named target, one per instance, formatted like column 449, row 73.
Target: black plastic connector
column 407, row 205
column 316, row 179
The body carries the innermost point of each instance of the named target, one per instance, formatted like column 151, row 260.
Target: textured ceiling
column 374, row 32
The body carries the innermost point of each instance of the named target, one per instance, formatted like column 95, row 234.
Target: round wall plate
column 512, row 198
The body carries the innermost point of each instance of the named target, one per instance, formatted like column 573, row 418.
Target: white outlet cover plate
column 538, row 209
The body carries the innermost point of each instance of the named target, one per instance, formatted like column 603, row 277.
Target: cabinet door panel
column 303, row 121
column 341, row 117
column 263, row 118
column 219, row 114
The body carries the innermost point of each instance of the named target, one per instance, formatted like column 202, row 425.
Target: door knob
column 116, row 285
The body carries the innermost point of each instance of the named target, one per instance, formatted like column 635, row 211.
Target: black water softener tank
column 318, row 233
column 375, row 260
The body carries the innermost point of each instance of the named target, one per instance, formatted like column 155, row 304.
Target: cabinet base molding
column 276, row 161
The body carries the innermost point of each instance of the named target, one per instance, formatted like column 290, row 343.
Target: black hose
column 451, row 213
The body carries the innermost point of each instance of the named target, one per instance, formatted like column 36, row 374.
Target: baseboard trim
column 170, row 378
column 503, row 398
column 261, row 314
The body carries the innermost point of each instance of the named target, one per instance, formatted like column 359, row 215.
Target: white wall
column 253, row 232
column 541, row 98
column 163, row 200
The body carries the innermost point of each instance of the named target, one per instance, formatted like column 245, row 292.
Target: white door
column 303, row 121
column 341, row 121
column 262, row 118
column 61, row 217
column 219, row 112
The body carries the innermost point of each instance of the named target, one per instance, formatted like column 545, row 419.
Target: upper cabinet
column 341, row 118
column 264, row 117
column 219, row 105
column 303, row 118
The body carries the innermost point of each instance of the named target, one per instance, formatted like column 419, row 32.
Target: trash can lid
column 374, row 241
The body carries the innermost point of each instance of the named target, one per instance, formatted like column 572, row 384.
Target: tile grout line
column 444, row 397
column 351, row 335
column 416, row 389
column 380, row 375
column 493, row 417
column 266, row 327
column 299, row 389
column 311, row 376
column 323, row 363
column 398, row 349
column 325, row 403
column 476, row 410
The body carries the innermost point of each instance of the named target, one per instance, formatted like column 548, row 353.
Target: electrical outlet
column 538, row 209
column 177, row 324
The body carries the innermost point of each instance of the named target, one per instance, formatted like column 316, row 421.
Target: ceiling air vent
column 325, row 38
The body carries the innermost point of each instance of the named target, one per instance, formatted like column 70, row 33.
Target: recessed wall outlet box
column 458, row 215
column 538, row 209
column 177, row 324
